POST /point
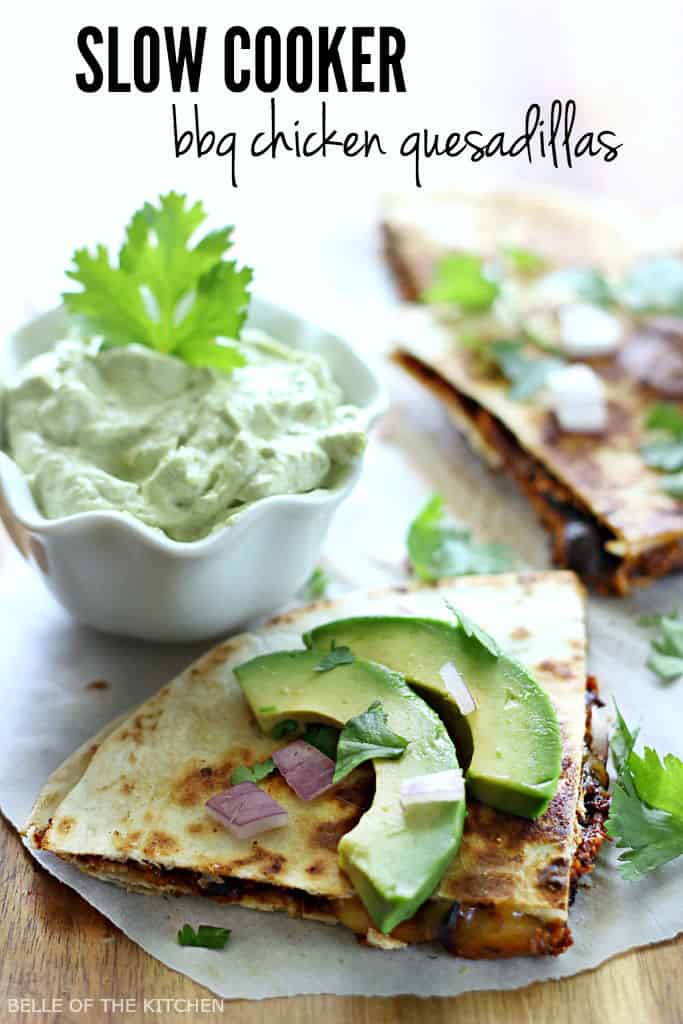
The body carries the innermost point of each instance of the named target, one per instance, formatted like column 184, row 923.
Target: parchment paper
column 47, row 662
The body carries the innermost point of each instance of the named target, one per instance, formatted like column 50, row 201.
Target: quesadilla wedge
column 130, row 806
column 608, row 513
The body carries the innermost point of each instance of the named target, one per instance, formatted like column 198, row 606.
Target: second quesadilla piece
column 566, row 229
column 131, row 806
column 607, row 511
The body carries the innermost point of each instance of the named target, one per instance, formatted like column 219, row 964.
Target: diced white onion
column 600, row 731
column 458, row 689
column 440, row 787
column 577, row 396
column 587, row 330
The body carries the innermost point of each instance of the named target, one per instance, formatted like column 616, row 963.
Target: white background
column 75, row 166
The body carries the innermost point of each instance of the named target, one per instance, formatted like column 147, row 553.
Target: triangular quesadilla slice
column 609, row 514
column 130, row 806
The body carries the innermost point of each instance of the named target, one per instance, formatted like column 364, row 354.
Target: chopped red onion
column 458, row 689
column 439, row 787
column 304, row 768
column 654, row 354
column 246, row 810
column 600, row 731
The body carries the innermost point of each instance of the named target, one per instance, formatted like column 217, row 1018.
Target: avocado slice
column 394, row 859
column 511, row 743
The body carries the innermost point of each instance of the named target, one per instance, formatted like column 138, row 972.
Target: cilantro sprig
column 438, row 547
column 646, row 812
column 207, row 936
column 365, row 737
column 164, row 292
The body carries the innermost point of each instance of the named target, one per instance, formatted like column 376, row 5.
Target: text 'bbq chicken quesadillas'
column 552, row 330
column 248, row 778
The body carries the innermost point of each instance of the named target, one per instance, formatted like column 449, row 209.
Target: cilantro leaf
column 111, row 303
column 666, row 657
column 218, row 311
column 650, row 837
column 473, row 631
column 365, row 737
column 284, row 728
column 335, row 656
column 317, row 584
column 460, row 279
column 665, row 416
column 666, row 451
column 165, row 293
column 207, row 936
column 438, row 547
column 527, row 374
column 252, row 773
column 659, row 785
column 654, row 286
column 646, row 812
column 324, row 737
column 157, row 252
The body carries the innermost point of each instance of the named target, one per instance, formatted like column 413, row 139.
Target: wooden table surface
column 55, row 946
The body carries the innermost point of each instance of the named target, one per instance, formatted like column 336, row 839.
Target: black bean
column 583, row 551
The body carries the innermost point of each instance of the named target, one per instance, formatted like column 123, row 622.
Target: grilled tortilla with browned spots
column 607, row 514
column 129, row 807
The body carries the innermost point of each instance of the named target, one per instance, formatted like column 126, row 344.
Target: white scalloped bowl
column 113, row 572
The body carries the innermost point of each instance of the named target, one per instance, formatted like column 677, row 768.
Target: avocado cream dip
column 179, row 447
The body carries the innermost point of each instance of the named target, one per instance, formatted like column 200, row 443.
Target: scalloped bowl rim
column 20, row 502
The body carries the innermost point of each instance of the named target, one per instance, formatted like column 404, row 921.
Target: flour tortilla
column 129, row 806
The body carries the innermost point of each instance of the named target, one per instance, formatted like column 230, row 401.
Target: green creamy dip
column 178, row 447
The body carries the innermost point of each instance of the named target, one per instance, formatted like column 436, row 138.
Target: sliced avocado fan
column 395, row 859
column 511, row 742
